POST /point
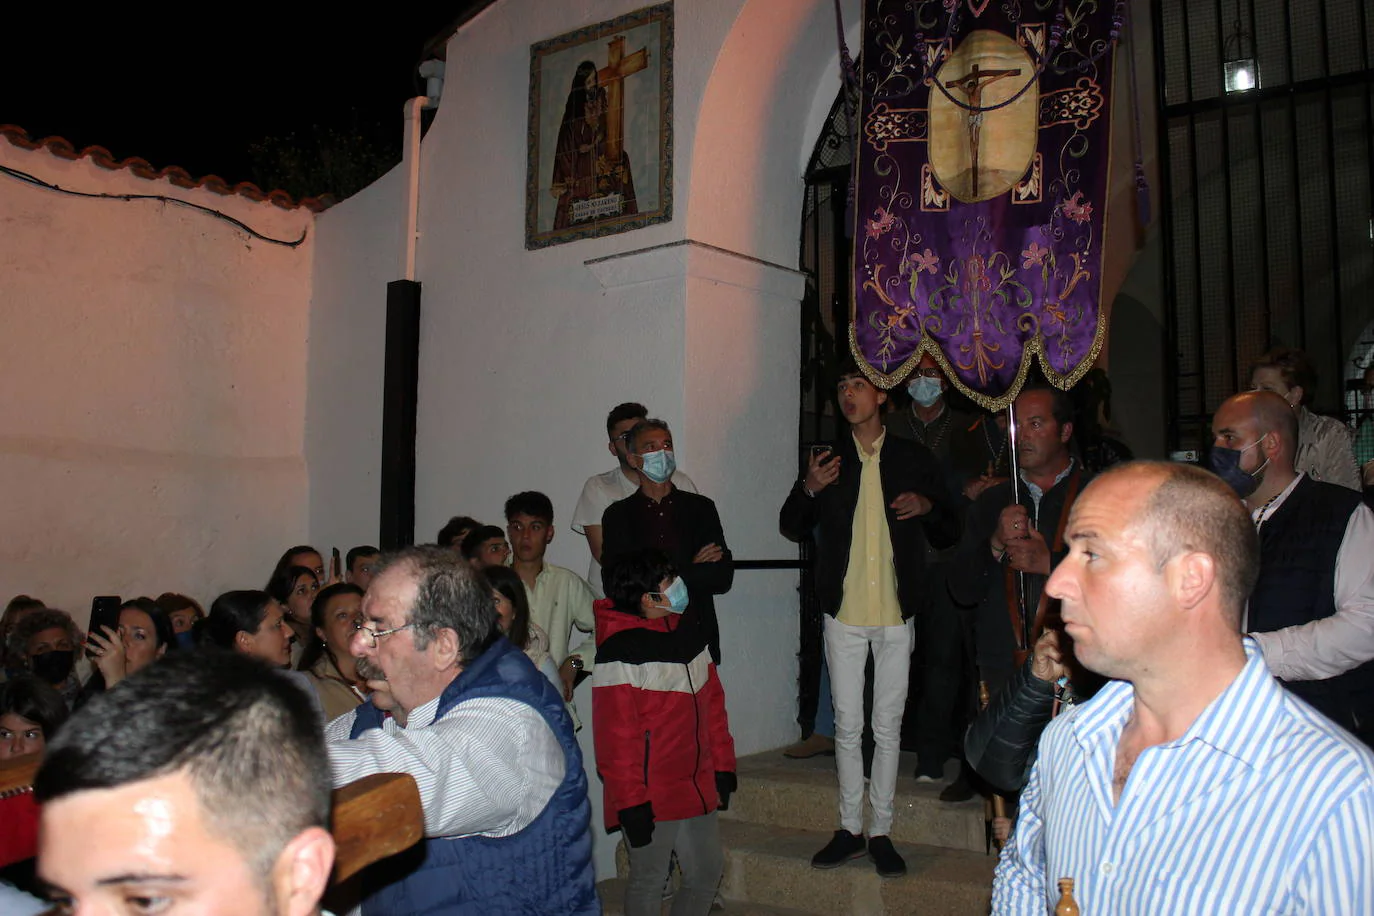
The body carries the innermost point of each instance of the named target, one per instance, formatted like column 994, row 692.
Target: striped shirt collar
column 1227, row 724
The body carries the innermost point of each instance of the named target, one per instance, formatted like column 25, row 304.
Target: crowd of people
column 454, row 662
column 1181, row 597
column 1189, row 650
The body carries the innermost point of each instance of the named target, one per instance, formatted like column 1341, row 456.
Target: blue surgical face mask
column 676, row 594
column 1226, row 465
column 659, row 465
column 186, row 640
column 925, row 391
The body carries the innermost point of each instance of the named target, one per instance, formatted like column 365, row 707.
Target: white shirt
column 1332, row 645
column 488, row 767
column 1261, row 806
column 598, row 493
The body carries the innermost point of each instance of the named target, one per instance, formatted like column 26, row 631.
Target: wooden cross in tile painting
column 611, row 78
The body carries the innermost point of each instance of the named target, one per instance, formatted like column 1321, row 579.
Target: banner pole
column 1016, row 498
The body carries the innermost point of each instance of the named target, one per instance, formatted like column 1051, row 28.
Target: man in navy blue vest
column 488, row 740
column 1312, row 611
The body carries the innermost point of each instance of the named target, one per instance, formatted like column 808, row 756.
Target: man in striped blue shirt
column 1192, row 783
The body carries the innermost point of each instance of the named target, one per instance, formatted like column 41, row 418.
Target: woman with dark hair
column 300, row 555
column 145, row 634
column 31, row 712
column 44, row 644
column 251, row 622
column 183, row 611
column 19, row 607
column 295, row 588
column 513, row 616
column 335, row 615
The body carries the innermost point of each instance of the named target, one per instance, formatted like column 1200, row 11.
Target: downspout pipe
column 433, row 73
column 401, row 375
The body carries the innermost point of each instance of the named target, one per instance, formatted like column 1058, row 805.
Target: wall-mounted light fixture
column 1239, row 69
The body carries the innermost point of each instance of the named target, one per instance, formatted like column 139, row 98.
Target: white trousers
column 846, row 653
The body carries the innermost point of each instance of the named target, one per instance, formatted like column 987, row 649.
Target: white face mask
column 925, row 391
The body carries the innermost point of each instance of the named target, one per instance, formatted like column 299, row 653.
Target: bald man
column 1312, row 611
column 1192, row 782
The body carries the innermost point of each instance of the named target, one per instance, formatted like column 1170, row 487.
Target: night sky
column 163, row 83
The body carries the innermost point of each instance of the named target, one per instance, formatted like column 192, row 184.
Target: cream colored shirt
column 870, row 582
column 560, row 601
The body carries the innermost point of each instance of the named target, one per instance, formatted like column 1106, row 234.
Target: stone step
column 771, row 865
column 803, row 795
column 612, row 893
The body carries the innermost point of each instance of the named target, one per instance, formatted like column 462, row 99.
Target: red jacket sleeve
column 620, row 738
column 718, row 724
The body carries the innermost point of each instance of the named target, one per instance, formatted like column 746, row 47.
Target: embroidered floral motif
column 1034, row 256
column 926, row 261
column 1076, row 211
column 882, row 224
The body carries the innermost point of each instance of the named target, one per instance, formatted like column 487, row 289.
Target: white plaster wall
column 357, row 252
column 153, row 361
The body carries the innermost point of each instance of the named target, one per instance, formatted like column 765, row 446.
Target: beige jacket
column 1326, row 450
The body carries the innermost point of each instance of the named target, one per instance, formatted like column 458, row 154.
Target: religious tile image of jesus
column 600, row 128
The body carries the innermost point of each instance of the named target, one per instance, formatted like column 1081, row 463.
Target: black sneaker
column 842, row 847
column 888, row 862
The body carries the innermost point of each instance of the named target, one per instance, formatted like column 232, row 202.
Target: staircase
column 785, row 811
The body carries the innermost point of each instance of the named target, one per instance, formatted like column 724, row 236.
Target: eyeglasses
column 372, row 635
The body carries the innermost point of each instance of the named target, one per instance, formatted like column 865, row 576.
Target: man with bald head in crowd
column 1192, row 782
column 1312, row 611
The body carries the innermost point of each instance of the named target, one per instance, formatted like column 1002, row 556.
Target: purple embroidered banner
column 981, row 180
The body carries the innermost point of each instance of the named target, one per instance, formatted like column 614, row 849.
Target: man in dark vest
column 1312, row 611
column 488, row 740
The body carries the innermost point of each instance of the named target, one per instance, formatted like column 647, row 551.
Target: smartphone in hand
column 104, row 613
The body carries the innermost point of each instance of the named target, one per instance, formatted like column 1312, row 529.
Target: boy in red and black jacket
column 663, row 745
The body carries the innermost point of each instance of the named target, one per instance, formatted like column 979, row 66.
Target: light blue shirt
column 1263, row 806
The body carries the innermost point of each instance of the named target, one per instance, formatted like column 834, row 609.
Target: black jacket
column 978, row 580
column 697, row 524
column 904, row 466
column 1000, row 744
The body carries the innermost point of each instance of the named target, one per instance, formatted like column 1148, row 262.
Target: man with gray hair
column 487, row 739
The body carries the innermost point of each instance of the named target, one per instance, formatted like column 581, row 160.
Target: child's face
column 655, row 604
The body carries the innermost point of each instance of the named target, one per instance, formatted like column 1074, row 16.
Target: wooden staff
column 996, row 805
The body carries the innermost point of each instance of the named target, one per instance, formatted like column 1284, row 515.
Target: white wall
column 153, row 359
column 357, row 252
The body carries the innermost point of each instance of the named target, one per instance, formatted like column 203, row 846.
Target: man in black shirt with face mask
column 683, row 525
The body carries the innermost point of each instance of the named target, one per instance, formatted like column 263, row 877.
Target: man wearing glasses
column 488, row 740
column 601, row 490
